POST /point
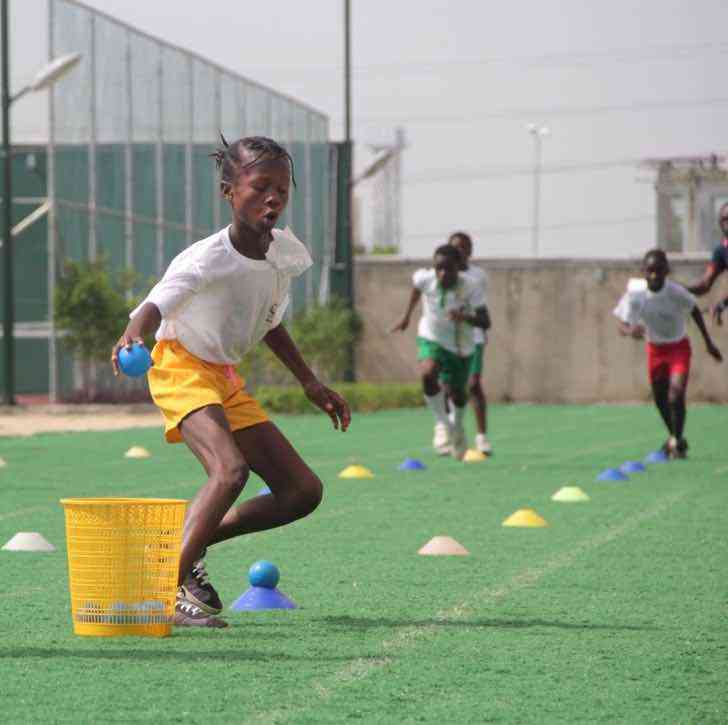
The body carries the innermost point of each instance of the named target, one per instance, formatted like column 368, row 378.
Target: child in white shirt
column 452, row 305
column 657, row 308
column 464, row 244
column 217, row 299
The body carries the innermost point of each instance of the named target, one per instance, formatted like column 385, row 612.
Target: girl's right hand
column 124, row 341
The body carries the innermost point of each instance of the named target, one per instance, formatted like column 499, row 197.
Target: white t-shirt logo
column 271, row 314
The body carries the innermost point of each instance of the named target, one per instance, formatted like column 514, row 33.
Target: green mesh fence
column 129, row 172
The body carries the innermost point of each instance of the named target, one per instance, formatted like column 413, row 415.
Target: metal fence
column 128, row 169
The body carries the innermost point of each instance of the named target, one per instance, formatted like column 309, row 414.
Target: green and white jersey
column 437, row 303
column 479, row 276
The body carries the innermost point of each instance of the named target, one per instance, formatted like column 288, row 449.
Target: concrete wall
column 554, row 338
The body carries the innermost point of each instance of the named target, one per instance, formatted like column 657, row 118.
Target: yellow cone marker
column 473, row 456
column 356, row 472
column 443, row 546
column 570, row 494
column 137, row 452
column 525, row 518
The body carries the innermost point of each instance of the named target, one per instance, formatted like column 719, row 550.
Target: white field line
column 323, row 690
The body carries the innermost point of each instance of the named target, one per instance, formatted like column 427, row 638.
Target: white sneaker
column 441, row 440
column 459, row 443
column 483, row 444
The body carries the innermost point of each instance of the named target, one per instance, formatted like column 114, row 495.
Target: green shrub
column 91, row 309
column 385, row 249
column 324, row 334
column 362, row 397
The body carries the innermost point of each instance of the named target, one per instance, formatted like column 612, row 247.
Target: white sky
column 614, row 81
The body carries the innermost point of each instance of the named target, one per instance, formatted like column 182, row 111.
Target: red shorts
column 668, row 359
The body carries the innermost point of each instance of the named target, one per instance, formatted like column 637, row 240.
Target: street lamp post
column 538, row 132
column 45, row 78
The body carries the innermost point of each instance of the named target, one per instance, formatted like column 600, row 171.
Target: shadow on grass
column 172, row 656
column 363, row 623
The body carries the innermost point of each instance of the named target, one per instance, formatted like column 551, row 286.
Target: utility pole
column 350, row 374
column 44, row 79
column 7, row 224
column 347, row 71
column 538, row 133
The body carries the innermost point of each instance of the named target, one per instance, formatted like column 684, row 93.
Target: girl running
column 217, row 299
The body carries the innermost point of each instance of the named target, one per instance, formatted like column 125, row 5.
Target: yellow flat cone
column 137, row 452
column 443, row 546
column 473, row 456
column 570, row 494
column 525, row 517
column 356, row 472
column 3, row 462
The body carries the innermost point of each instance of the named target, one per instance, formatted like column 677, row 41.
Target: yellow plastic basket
column 123, row 561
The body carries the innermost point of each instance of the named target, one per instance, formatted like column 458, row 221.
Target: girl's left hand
column 330, row 402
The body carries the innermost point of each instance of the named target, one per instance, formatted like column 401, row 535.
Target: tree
column 91, row 309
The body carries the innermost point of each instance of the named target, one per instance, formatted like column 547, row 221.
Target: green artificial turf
column 617, row 612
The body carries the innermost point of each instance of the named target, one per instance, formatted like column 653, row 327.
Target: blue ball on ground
column 264, row 574
column 134, row 362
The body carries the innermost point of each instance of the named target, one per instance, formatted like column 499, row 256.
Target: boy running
column 717, row 265
column 658, row 310
column 217, row 299
column 452, row 305
column 464, row 244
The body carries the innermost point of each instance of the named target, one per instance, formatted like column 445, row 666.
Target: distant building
column 689, row 191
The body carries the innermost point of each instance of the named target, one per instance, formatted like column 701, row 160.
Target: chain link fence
column 129, row 174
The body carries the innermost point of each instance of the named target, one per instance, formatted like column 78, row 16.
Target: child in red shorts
column 657, row 308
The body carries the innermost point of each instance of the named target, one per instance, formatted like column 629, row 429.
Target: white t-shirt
column 479, row 276
column 437, row 303
column 663, row 313
column 218, row 303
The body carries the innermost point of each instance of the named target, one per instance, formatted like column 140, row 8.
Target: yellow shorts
column 181, row 383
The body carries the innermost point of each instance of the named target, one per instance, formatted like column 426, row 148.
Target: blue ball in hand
column 264, row 574
column 135, row 361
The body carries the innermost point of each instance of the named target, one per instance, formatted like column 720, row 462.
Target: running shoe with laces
column 668, row 446
column 188, row 614
column 483, row 444
column 441, row 440
column 198, row 590
column 681, row 449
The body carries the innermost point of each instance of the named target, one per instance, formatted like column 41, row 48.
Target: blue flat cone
column 612, row 474
column 657, row 457
column 632, row 467
column 412, row 464
column 264, row 491
column 262, row 598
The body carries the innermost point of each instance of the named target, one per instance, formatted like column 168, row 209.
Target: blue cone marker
column 263, row 577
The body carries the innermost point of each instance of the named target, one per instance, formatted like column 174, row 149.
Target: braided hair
column 228, row 158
